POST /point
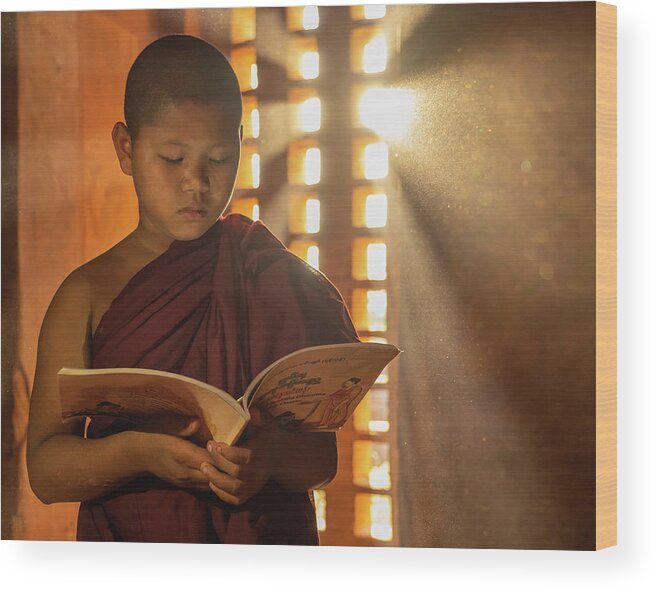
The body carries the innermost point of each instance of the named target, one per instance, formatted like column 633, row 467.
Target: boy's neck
column 149, row 243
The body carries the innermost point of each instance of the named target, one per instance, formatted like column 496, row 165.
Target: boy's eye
column 219, row 161
column 171, row 160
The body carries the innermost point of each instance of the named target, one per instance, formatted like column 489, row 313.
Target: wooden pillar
column 73, row 200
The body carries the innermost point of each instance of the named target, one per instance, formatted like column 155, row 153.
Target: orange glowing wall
column 73, row 202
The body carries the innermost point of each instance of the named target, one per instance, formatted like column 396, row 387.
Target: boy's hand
column 236, row 474
column 173, row 459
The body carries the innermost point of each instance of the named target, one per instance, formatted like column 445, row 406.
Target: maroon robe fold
column 219, row 308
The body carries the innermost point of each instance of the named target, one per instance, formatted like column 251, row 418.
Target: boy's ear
column 123, row 146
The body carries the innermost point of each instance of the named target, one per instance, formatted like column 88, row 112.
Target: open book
column 312, row 389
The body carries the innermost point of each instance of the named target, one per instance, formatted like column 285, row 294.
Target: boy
column 214, row 300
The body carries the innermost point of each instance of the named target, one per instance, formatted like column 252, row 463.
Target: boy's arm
column 62, row 465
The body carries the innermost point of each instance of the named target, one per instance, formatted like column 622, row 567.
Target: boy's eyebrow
column 186, row 145
column 180, row 144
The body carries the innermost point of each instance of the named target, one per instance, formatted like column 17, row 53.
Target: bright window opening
column 303, row 58
column 243, row 60
column 369, row 207
column 312, row 216
column 371, row 465
column 302, row 18
column 307, row 250
column 372, row 415
column 370, row 309
column 304, row 162
column 247, row 206
column 369, row 259
column 248, row 175
column 373, row 516
column 320, row 508
column 369, row 50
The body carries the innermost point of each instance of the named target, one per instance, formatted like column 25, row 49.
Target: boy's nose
column 196, row 179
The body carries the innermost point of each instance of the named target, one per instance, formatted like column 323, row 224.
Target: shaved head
column 174, row 69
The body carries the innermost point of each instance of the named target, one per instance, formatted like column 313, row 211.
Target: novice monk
column 190, row 291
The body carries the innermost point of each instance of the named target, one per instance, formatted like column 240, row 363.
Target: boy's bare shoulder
column 105, row 276
column 97, row 267
column 87, row 277
column 65, row 327
column 74, row 312
column 92, row 286
column 76, row 286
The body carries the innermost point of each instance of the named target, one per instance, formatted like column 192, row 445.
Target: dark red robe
column 219, row 308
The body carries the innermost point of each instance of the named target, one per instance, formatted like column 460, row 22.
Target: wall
column 498, row 299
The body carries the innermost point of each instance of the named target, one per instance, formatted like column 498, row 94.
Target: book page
column 137, row 394
column 320, row 387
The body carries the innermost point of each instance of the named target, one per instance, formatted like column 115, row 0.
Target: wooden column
column 73, row 200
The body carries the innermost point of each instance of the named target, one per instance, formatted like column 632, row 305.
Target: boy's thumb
column 190, row 428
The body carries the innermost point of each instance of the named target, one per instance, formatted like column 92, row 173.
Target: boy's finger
column 223, row 463
column 221, row 480
column 225, row 496
column 194, row 459
column 197, row 478
column 191, row 428
column 237, row 455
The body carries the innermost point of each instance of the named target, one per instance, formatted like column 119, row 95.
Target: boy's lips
column 193, row 213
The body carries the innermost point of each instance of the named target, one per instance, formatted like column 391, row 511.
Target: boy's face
column 184, row 166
